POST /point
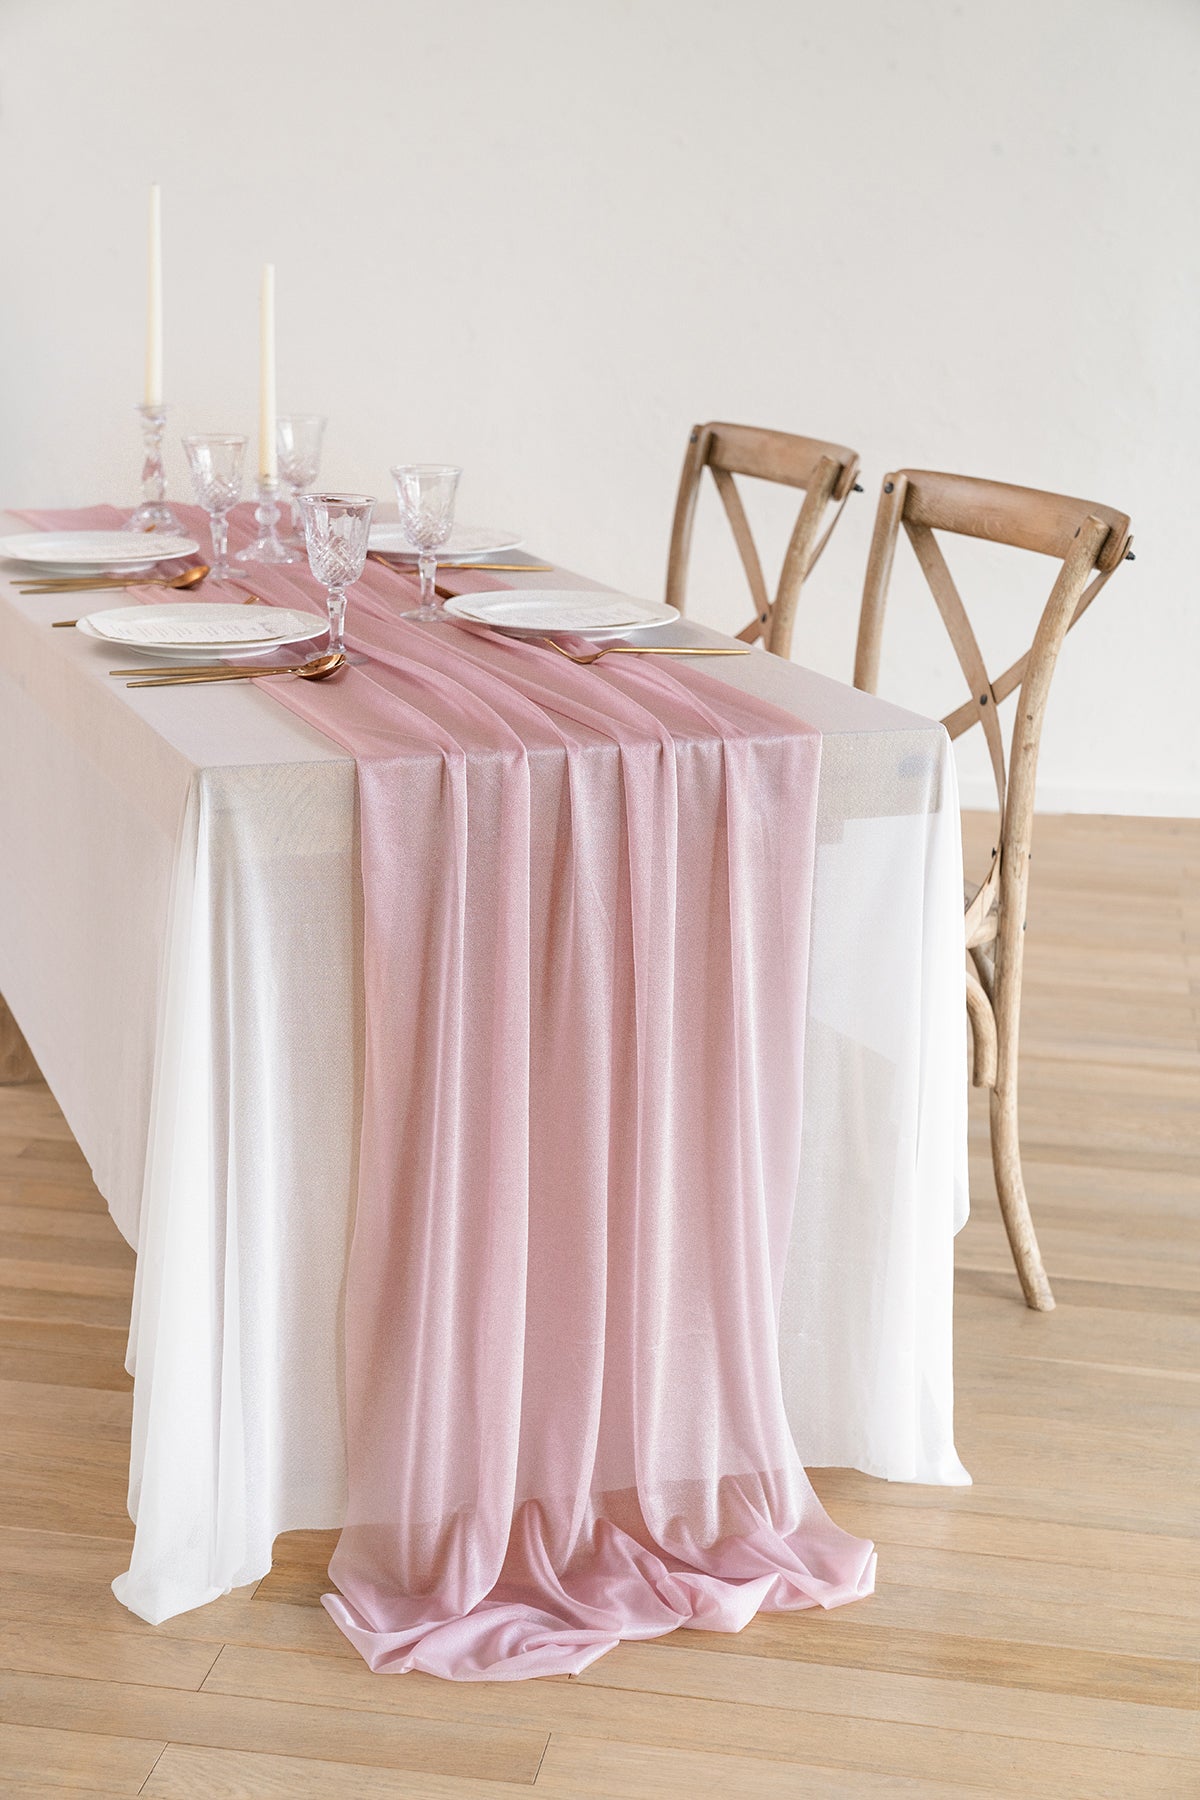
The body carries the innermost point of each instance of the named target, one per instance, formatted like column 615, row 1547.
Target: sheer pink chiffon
column 586, row 897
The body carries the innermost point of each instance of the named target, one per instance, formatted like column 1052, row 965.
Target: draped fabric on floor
column 586, row 894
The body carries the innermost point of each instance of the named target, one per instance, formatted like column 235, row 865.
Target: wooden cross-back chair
column 1089, row 543
column 827, row 474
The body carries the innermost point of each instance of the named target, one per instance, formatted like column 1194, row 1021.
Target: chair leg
column 1014, row 1205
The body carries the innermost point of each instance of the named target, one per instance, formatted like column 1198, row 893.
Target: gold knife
column 198, row 668
column 205, row 677
column 410, row 568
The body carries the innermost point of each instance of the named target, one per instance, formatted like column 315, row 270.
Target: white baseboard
column 978, row 791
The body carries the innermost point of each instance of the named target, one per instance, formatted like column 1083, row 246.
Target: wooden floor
column 1033, row 1635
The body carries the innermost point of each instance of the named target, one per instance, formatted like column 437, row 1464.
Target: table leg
column 16, row 1059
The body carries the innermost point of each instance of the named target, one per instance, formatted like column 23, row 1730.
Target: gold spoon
column 643, row 650
column 188, row 578
column 318, row 668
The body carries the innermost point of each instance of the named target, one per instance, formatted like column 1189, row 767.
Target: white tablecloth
column 179, row 942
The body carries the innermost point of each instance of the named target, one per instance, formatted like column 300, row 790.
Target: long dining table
column 181, row 944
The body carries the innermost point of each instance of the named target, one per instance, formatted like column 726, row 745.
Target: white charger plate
column 464, row 541
column 169, row 629
column 545, row 612
column 78, row 551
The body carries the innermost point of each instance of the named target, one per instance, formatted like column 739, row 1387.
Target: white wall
column 541, row 238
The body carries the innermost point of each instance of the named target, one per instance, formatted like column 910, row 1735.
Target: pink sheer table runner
column 585, row 899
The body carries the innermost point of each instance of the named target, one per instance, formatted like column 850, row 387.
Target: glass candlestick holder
column 268, row 546
column 153, row 514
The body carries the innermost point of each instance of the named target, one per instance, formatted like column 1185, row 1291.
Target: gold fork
column 643, row 650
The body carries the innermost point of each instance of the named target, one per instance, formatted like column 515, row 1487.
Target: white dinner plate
column 199, row 631
column 542, row 612
column 95, row 550
column 80, row 571
column 464, row 540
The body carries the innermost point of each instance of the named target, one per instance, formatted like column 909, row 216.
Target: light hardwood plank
column 26, row 1555
column 1044, row 1504
column 37, row 1597
column 91, row 1413
column 24, row 1295
column 1175, row 1560
column 32, row 1111
column 1015, row 1581
column 186, row 1773
column 55, row 1494
column 853, row 1694
column 63, row 1355
column 674, row 1721
column 988, row 1765
column 91, row 1230
column 75, row 1759
column 28, row 1790
column 47, row 1443
column 966, row 1656
column 575, row 1766
column 1083, row 1334
column 149, row 1660
column 497, row 1752
column 1088, row 1622
column 58, row 1196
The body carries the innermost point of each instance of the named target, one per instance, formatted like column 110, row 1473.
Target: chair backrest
column 1089, row 542
column 826, row 473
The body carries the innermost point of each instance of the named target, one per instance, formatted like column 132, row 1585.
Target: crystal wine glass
column 426, row 494
column 298, row 441
column 215, row 460
column 335, row 533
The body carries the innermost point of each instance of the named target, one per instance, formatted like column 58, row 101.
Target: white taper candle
column 267, row 458
column 154, row 323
